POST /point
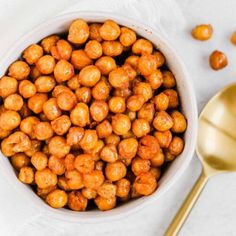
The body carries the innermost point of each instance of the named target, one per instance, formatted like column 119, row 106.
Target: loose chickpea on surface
column 19, row 70
column 202, row 32
column 233, row 38
column 218, row 60
column 57, row 198
column 8, row 86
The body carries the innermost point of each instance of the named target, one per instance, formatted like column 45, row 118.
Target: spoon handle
column 187, row 206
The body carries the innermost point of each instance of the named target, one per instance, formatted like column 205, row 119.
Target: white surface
column 214, row 214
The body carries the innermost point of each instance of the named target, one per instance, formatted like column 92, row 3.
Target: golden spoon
column 216, row 148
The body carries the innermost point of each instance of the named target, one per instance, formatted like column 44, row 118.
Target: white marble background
column 215, row 212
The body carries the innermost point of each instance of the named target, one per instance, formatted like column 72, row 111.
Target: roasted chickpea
column 107, row 190
column 58, row 147
column 93, row 49
column 84, row 163
column 131, row 72
column 27, row 89
column 168, row 156
column 83, row 94
column 39, row 160
column 124, row 93
column 20, row 160
column 161, row 102
column 140, row 165
column 80, row 115
column 109, row 30
column 168, row 79
column 66, row 100
column 57, row 198
column 109, row 153
column 127, row 36
column 140, row 127
column 164, row 138
column 155, row 79
column 99, row 110
column 148, row 147
column 143, row 89
column 60, row 89
column 104, row 129
column 51, row 109
column 173, row 98
column 45, row 178
column 94, row 32
column 74, row 179
column 180, row 123
column 8, row 86
column 74, row 136
column 101, row 90
column 63, row 50
column 26, row 175
column 159, row 58
column 112, row 48
column 45, row 84
column 63, row 71
column 142, row 46
column 80, row 59
column 218, row 60
column 13, row 102
column 46, row 64
column 34, row 73
column 89, row 193
column 76, row 201
column 89, row 140
column 118, row 78
column 112, row 139
column 35, row 147
column 117, row 104
column 69, row 162
column 9, row 120
column 128, row 148
column 56, row 165
column 120, row 124
column 233, row 38
column 115, row 171
column 61, row 124
column 33, row 53
column 43, row 130
column 158, row 160
column 147, row 64
column 93, row 179
column 106, row 64
column 43, row 192
column 176, row 146
column 162, row 121
column 96, row 150
column 89, row 76
column 36, row 102
column 78, row 32
column 133, row 61
column 156, row 172
column 19, row 70
column 147, row 112
column 73, row 83
column 123, row 187
column 27, row 125
column 135, row 102
column 48, row 42
column 202, row 32
column 105, row 204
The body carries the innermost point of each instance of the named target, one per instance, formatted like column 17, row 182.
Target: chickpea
column 4, row 133
column 96, row 150
column 142, row 46
column 9, row 120
column 34, row 73
column 130, row 71
column 89, row 76
column 124, row 93
column 43, row 192
column 180, row 123
column 120, row 124
column 43, row 130
column 33, row 53
column 202, row 32
column 69, row 162
column 73, row 83
column 145, row 183
column 143, row 89
column 80, row 59
column 57, row 198
column 19, row 70
column 66, row 100
column 159, row 58
column 27, row 89
column 107, row 190
column 118, row 78
column 135, row 102
column 26, row 175
column 74, row 179
column 78, row 32
column 127, row 36
column 104, row 129
column 164, row 138
column 56, row 165
column 83, row 94
column 140, row 127
column 140, row 165
column 89, row 140
column 8, row 86
column 218, row 60
column 158, row 160
column 45, row 84
column 48, row 42
column 61, row 124
column 63, row 49
column 162, row 121
column 84, row 163
column 94, row 32
column 115, row 171
column 58, row 147
column 76, row 201
column 93, row 49
column 176, row 146
column 233, row 38
column 106, row 64
column 99, row 110
column 109, row 30
column 20, row 160
column 101, row 90
column 112, row 139
column 128, row 148
column 35, row 147
column 156, row 172
column 80, row 115
column 89, row 193
column 133, row 61
column 46, row 64
column 161, row 102
column 147, row 112
column 109, row 153
column 45, row 178
column 123, row 187
column 36, row 102
column 27, row 125
column 39, row 160
column 112, row 48
column 129, row 134
column 173, row 98
column 51, row 109
column 60, row 89
column 148, row 147
column 131, row 115
column 147, row 64
column 63, row 71
column 117, row 104
column 168, row 79
column 74, row 136
column 105, row 204
column 13, row 102
column 168, row 156
column 93, row 179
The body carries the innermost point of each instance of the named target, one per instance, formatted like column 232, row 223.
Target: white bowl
column 60, row 24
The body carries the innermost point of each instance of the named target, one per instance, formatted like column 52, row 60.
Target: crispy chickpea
column 9, row 120
column 128, row 148
column 26, row 175
column 159, row 58
column 101, row 90
column 105, row 204
column 106, row 64
column 93, row 49
column 35, row 147
column 27, row 125
column 74, row 179
column 162, row 121
column 180, row 123
column 109, row 153
column 45, row 178
column 69, row 162
column 96, row 150
column 124, row 93
column 218, row 60
column 140, row 127
column 89, row 140
column 123, row 187
column 56, row 165
column 233, row 38
column 117, row 104
column 59, row 89
column 76, row 201
column 161, row 102
column 80, row 59
column 127, row 36
column 112, row 139
column 80, row 115
column 120, row 124
column 107, row 190
column 51, row 109
column 74, row 136
column 142, row 46
column 89, row 193
column 112, row 48
column 66, row 100
column 36, row 102
column 33, row 53
column 148, row 147
column 73, row 83
column 94, row 32
column 84, row 163
column 83, row 94
column 104, row 129
column 147, row 112
column 19, row 70
column 133, row 61
column 43, row 192
column 168, row 79
column 34, row 73
column 99, row 110
column 109, row 30
column 156, row 172
column 115, row 171
column 57, row 198
column 173, row 98
column 130, row 71
column 145, row 183
column 118, row 78
column 48, row 42
column 202, row 32
column 46, row 64
column 39, row 160
column 13, row 102
column 89, row 76
column 8, row 86
column 78, row 32
column 61, row 124
column 63, row 49
column 58, row 147
column 20, row 160
column 176, row 146
column 27, row 89
column 144, row 89
column 129, row 134
column 45, row 84
column 135, row 102
column 158, row 160
column 43, row 130
column 93, row 179
column 147, row 64
column 63, row 71
column 164, row 138
column 140, row 165
column 62, row 183
column 155, row 79
column 168, row 156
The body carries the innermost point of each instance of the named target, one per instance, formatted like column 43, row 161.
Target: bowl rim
column 188, row 82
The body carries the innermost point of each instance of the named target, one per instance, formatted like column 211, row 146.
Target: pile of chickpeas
column 90, row 118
